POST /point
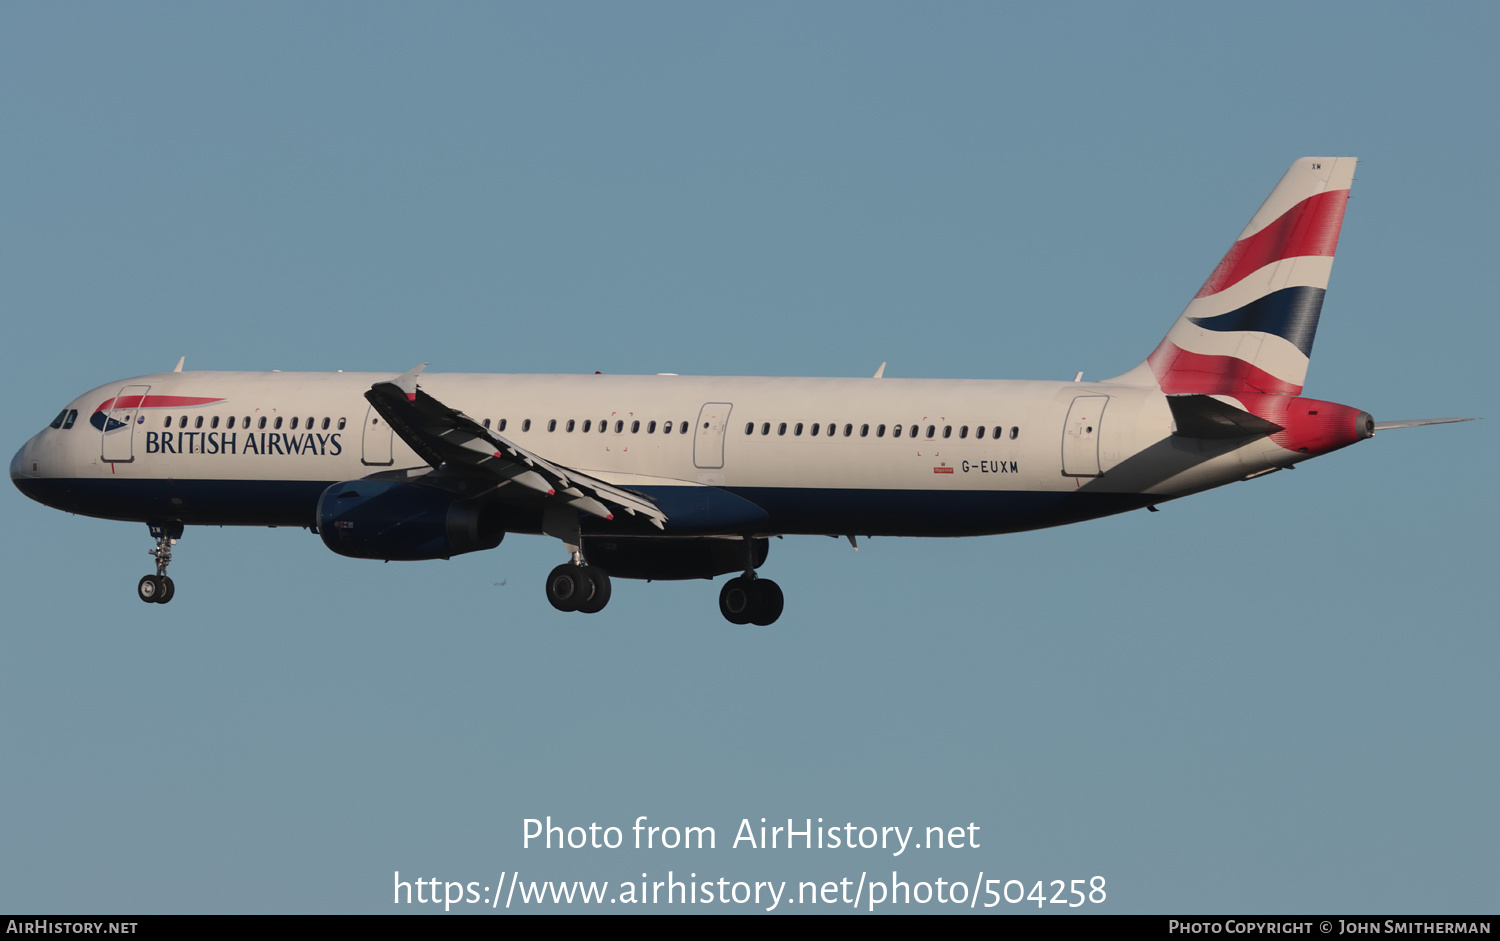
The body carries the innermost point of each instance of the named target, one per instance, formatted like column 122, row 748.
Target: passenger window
column 815, row 428
column 277, row 425
column 182, row 422
column 880, row 431
column 294, row 422
column 683, row 429
column 588, row 423
column 666, row 428
column 832, row 429
column 168, row 422
column 341, row 423
column 963, row 432
column 570, row 426
column 635, row 427
column 72, row 417
column 781, row 428
column 486, row 424
column 230, row 422
column 619, row 426
column 765, row 428
column 797, row 431
column 214, row 422
column 913, row 432
column 1014, row 432
column 551, row 424
column 947, row 431
column 499, row 427
column 978, row 431
column 325, row 423
column 749, row 427
column 931, row 430
column 896, row 431
column 262, row 422
column 864, row 431
column 309, row 424
column 651, row 428
column 526, row 424
column 198, row 422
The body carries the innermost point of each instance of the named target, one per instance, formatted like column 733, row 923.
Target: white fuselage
column 835, row 456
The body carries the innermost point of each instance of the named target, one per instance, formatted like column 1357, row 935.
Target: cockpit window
column 57, row 422
column 72, row 417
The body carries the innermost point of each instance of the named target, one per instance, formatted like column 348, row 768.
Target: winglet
column 879, row 373
column 180, row 361
column 407, row 381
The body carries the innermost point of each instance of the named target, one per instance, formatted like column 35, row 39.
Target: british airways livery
column 669, row 477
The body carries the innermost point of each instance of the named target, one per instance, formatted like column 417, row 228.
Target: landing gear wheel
column 168, row 590
column 766, row 602
column 597, row 590
column 149, row 588
column 735, row 600
column 567, row 587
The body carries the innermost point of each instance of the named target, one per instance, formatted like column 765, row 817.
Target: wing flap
column 443, row 435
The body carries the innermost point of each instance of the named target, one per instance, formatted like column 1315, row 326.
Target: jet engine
column 392, row 520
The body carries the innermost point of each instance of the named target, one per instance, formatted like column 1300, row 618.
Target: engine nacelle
column 383, row 519
column 656, row 558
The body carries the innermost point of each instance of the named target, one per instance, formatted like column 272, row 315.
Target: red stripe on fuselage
column 1309, row 228
column 154, row 401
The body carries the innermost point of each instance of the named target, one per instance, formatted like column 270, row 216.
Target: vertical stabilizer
column 1250, row 327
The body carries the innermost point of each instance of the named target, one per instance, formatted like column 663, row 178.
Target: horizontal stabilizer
column 1415, row 422
column 1203, row 416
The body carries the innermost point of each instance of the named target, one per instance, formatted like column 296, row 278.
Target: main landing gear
column 158, row 588
column 574, row 586
column 749, row 599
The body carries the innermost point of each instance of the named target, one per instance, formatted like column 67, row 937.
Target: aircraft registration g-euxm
column 674, row 477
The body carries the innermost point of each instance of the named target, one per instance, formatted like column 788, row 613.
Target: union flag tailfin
column 1250, row 327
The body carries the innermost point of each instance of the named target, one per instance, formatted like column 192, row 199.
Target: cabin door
column 117, row 437
column 1080, row 441
column 377, row 450
column 708, row 435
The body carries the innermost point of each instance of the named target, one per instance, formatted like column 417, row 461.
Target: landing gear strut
column 158, row 588
column 748, row 598
column 575, row 585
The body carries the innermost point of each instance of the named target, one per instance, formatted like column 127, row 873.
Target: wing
column 443, row 435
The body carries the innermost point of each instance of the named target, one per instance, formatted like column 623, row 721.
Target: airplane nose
column 21, row 466
column 25, row 471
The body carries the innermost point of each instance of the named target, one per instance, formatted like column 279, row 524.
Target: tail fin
column 1250, row 327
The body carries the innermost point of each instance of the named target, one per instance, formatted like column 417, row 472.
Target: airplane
column 676, row 477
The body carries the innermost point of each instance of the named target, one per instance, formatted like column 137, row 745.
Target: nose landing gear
column 158, row 588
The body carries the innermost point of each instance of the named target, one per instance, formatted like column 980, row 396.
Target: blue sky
column 1276, row 697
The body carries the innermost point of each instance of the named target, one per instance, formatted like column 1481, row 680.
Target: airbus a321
column 674, row 477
